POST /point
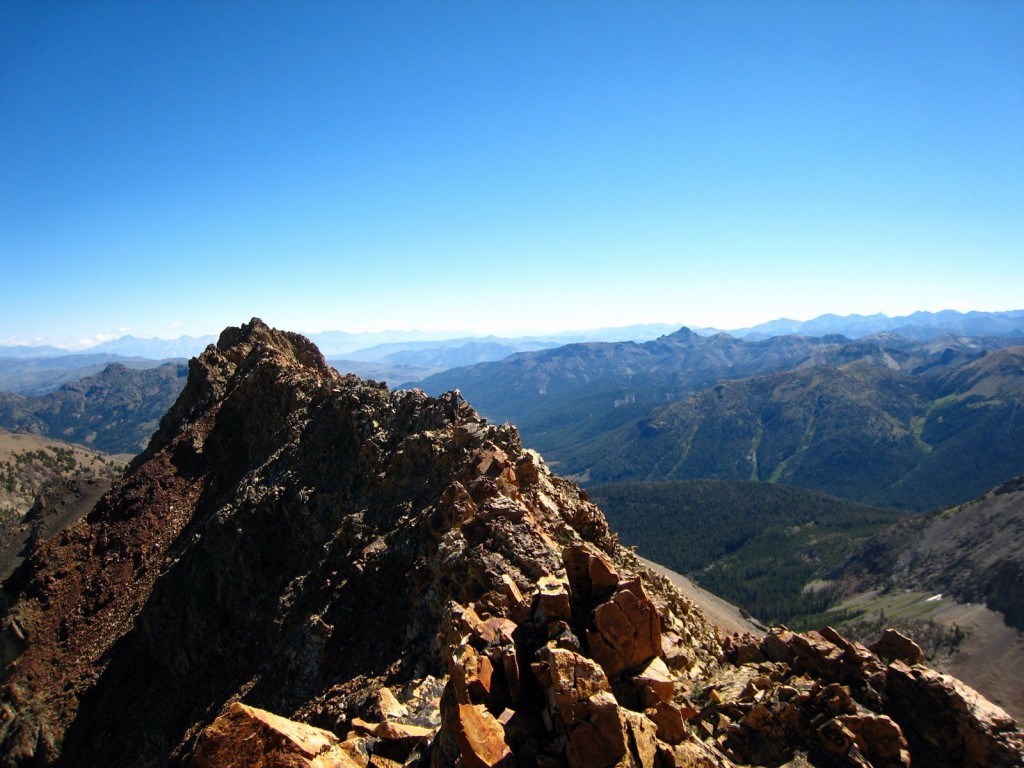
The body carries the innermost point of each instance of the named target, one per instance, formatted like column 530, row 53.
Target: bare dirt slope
column 723, row 615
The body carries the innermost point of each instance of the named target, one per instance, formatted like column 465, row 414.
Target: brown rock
column 390, row 730
column 569, row 680
column 481, row 738
column 497, row 630
column 678, row 653
column 597, row 736
column 947, row 723
column 627, row 630
column 879, row 739
column 590, row 574
column 385, row 706
column 510, row 667
column 471, row 676
column 670, row 720
column 776, row 646
column 654, row 683
column 553, row 600
column 519, row 606
column 838, row 740
column 691, row 754
column 892, row 645
column 252, row 737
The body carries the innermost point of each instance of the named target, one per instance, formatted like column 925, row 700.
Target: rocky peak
column 308, row 569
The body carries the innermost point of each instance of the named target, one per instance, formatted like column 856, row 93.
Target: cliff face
column 308, row 567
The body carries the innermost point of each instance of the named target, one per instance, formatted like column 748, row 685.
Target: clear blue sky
column 170, row 168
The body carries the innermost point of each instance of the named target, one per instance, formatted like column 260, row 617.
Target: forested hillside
column 754, row 544
column 859, row 431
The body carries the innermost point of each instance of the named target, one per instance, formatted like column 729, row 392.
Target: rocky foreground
column 306, row 569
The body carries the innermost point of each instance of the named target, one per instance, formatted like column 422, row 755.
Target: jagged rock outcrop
column 307, row 569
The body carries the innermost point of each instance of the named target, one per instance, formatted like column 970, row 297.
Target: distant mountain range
column 883, row 419
column 880, row 420
column 919, row 326
column 404, row 347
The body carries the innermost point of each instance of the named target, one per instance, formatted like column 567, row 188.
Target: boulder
column 892, row 646
column 244, row 735
column 627, row 630
column 947, row 723
column 481, row 738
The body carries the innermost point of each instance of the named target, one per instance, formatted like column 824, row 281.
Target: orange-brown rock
column 471, row 675
column 481, row 738
column 879, row 739
column 553, row 603
column 627, row 630
column 893, row 645
column 569, row 680
column 693, row 754
column 670, row 720
column 654, row 683
column 252, row 737
column 590, row 574
column 384, row 705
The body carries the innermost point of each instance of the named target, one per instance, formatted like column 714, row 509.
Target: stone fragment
column 497, row 630
column 879, row 739
column 676, row 652
column 471, row 675
column 743, row 649
column 691, row 754
column 654, row 683
column 892, row 645
column 597, row 734
column 590, row 575
column 776, row 645
column 391, row 730
column 519, row 606
column 481, row 738
column 670, row 720
column 385, row 706
column 569, row 680
column 627, row 630
column 553, row 600
column 839, row 740
column 244, row 735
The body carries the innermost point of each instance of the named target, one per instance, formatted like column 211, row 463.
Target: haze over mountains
column 883, row 419
column 374, row 345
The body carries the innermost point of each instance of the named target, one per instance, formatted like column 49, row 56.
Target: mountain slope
column 42, row 375
column 560, row 396
column 859, row 431
column 973, row 551
column 44, row 485
column 114, row 411
column 415, row 588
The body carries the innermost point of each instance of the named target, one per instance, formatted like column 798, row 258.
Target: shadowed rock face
column 390, row 569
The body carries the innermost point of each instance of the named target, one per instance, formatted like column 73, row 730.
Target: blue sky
column 172, row 168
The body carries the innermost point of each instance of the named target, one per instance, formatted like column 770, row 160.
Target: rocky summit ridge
column 307, row 569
